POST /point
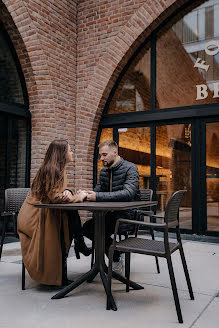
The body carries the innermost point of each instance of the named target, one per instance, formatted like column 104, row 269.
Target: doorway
column 173, row 156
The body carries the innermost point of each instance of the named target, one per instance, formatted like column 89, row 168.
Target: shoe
column 81, row 247
column 117, row 267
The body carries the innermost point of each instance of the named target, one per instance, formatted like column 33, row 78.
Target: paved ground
column 152, row 307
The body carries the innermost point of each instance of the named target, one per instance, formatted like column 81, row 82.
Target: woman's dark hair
column 51, row 173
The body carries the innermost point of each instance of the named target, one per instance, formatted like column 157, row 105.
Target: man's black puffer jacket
column 125, row 183
column 125, row 187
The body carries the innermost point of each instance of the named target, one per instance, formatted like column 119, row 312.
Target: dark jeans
column 75, row 231
column 74, row 224
column 110, row 223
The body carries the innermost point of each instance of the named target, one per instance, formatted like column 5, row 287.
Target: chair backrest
column 146, row 194
column 172, row 209
column 14, row 198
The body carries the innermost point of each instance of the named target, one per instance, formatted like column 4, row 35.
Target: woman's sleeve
column 55, row 196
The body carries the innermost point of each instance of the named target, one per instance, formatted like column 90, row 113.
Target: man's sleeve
column 97, row 187
column 128, row 192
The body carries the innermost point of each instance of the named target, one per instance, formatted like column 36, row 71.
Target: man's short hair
column 110, row 143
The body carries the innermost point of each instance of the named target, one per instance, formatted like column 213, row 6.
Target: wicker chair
column 154, row 247
column 14, row 198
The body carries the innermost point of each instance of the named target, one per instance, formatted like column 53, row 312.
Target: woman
column 46, row 234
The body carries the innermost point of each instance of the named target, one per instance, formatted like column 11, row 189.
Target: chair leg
column 156, row 258
column 3, row 236
column 111, row 251
column 127, row 270
column 186, row 273
column 15, row 225
column 23, row 276
column 174, row 289
column 92, row 254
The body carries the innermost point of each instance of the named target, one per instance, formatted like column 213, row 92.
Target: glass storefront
column 162, row 104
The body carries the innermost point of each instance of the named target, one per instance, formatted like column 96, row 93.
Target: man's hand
column 91, row 196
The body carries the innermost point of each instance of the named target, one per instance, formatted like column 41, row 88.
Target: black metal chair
column 14, row 198
column 162, row 248
column 145, row 195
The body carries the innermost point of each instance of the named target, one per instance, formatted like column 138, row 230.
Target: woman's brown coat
column 39, row 232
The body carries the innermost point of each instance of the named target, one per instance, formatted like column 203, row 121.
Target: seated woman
column 46, row 234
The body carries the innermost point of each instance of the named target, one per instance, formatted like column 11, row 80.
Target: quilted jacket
column 125, row 186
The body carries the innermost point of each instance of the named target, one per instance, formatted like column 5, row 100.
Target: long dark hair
column 51, row 173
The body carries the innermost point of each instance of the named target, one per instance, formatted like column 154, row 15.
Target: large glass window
column 182, row 78
column 179, row 49
column 14, row 122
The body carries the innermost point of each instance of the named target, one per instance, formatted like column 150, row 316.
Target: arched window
column 14, row 120
column 164, row 110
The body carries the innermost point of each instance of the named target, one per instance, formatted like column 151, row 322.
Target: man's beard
column 109, row 164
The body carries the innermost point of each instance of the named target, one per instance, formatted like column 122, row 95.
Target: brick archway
column 44, row 37
column 148, row 17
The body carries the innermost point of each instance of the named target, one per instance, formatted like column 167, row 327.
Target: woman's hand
column 67, row 196
column 83, row 194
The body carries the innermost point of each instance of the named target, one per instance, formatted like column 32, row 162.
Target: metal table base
column 99, row 265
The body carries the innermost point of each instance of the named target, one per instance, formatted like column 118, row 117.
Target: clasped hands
column 85, row 194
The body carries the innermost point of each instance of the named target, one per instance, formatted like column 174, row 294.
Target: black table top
column 99, row 206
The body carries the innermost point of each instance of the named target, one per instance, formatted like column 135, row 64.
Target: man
column 118, row 181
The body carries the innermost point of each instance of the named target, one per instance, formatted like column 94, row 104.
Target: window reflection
column 10, row 86
column 212, row 177
column 135, row 147
column 173, row 167
column 177, row 52
column 133, row 91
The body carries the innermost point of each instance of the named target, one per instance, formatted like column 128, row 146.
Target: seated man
column 118, row 181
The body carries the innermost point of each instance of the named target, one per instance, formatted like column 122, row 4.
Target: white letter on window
column 202, row 92
column 216, row 89
column 201, row 65
column 212, row 51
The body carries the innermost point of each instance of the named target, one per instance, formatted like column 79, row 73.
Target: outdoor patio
column 85, row 307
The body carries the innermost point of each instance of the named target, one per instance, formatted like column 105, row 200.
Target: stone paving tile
column 152, row 307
